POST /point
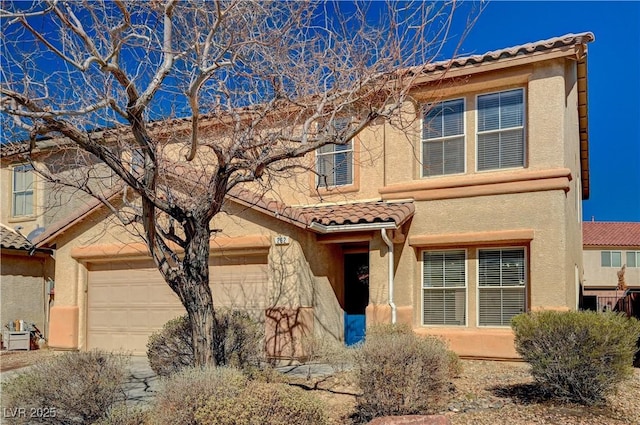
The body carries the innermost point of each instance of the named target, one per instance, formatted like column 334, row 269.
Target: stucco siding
column 23, row 289
column 607, row 277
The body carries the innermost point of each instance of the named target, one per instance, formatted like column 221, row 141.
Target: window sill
column 22, row 219
column 336, row 190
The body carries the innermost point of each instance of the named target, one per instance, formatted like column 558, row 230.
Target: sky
column 613, row 77
column 613, row 84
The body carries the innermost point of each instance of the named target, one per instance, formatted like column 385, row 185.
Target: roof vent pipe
column 389, row 242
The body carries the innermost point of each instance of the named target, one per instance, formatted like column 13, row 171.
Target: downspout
column 385, row 238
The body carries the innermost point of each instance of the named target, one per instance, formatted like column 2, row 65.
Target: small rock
column 412, row 420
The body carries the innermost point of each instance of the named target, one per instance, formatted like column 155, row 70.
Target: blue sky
column 613, row 86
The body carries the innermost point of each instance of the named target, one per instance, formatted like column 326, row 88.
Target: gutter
column 389, row 242
column 322, row 228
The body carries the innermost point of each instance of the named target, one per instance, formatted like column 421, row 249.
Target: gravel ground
column 10, row 360
column 486, row 393
column 494, row 393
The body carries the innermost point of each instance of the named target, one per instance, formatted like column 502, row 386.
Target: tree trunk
column 196, row 295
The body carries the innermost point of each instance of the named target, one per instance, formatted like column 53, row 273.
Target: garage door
column 129, row 300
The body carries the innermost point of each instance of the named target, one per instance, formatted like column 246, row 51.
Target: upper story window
column 443, row 142
column 22, row 191
column 501, row 285
column 633, row 258
column 501, row 141
column 611, row 259
column 334, row 165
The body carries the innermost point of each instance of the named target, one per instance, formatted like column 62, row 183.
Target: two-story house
column 611, row 263
column 458, row 221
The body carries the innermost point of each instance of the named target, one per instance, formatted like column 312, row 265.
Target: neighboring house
column 608, row 247
column 26, row 277
column 453, row 225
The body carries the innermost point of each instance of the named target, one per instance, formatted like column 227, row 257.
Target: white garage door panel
column 128, row 301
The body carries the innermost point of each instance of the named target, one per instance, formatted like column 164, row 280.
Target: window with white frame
column 444, row 288
column 501, row 285
column 334, row 165
column 443, row 148
column 22, row 191
column 633, row 258
column 611, row 258
column 501, row 141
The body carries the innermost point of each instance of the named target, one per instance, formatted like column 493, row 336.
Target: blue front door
column 354, row 328
column 356, row 297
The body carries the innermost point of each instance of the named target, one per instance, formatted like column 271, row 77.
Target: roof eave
column 356, row 227
column 583, row 123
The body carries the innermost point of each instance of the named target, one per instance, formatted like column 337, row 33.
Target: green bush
column 401, row 373
column 76, row 387
column 238, row 343
column 264, row 404
column 577, row 356
column 182, row 394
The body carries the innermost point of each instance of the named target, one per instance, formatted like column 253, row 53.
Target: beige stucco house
column 610, row 248
column 454, row 224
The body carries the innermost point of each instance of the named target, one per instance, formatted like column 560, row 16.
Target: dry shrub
column 238, row 343
column 122, row 415
column 577, row 356
column 262, row 403
column 78, row 388
column 330, row 351
column 400, row 373
column 190, row 389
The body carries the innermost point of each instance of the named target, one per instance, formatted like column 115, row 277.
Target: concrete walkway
column 142, row 383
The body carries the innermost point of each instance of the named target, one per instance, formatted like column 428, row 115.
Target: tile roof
column 510, row 52
column 567, row 40
column 361, row 213
column 329, row 215
column 611, row 233
column 11, row 239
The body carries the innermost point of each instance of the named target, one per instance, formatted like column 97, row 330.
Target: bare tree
column 186, row 101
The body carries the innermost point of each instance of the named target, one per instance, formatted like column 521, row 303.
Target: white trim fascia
column 360, row 227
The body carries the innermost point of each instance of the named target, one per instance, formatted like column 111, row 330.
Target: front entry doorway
column 356, row 296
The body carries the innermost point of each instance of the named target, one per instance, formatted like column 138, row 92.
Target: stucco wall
column 23, row 289
column 541, row 198
column 301, row 273
column 51, row 202
column 606, row 277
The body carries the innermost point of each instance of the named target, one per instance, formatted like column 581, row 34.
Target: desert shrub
column 76, row 387
column 262, row 403
column 122, row 415
column 455, row 368
column 329, row 351
column 577, row 356
column 182, row 394
column 237, row 343
column 400, row 373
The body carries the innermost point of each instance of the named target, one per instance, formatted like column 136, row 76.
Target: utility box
column 14, row 340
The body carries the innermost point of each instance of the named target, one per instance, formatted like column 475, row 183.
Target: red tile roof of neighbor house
column 599, row 233
column 11, row 239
